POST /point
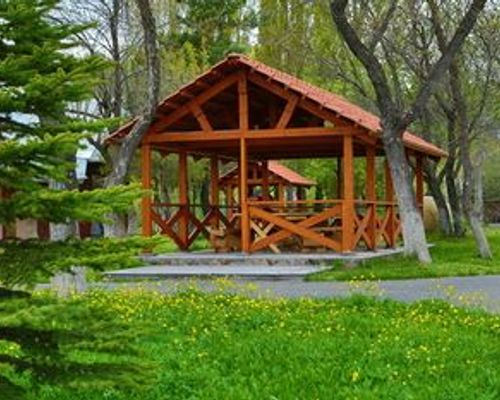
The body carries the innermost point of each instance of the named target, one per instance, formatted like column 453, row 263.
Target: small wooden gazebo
column 267, row 180
column 246, row 111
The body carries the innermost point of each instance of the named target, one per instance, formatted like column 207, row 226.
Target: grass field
column 451, row 257
column 218, row 346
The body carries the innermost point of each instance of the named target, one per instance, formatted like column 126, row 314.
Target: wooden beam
column 200, row 116
column 183, row 224
column 233, row 134
column 146, row 169
column 243, row 125
column 287, row 112
column 348, row 203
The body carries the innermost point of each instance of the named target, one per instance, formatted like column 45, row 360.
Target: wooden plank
column 348, row 204
column 294, row 229
column 146, row 171
column 287, row 112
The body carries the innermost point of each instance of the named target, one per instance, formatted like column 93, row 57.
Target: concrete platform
column 215, row 271
column 298, row 259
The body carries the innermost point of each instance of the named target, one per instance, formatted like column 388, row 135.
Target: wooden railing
column 184, row 223
column 295, row 224
column 376, row 223
column 286, row 225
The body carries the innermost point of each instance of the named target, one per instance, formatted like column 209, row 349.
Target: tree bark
column 123, row 158
column 415, row 242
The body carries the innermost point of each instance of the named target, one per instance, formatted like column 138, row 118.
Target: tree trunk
column 128, row 147
column 415, row 243
column 454, row 200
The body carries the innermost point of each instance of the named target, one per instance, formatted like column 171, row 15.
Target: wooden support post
column 245, row 218
column 229, row 201
column 214, row 188
column 265, row 180
column 281, row 192
column 183, row 200
column 243, row 122
column 389, row 197
column 339, row 178
column 348, row 203
column 147, row 219
column 371, row 196
column 419, row 178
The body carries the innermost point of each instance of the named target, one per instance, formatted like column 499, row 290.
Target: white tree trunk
column 412, row 224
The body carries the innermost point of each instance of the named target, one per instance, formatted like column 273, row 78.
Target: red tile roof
column 288, row 174
column 326, row 99
column 281, row 171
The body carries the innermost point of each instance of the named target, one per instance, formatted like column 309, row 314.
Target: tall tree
column 465, row 124
column 395, row 117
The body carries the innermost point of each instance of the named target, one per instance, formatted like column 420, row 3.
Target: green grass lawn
column 218, row 346
column 451, row 257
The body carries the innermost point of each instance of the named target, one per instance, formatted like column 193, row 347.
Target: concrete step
column 210, row 271
column 261, row 259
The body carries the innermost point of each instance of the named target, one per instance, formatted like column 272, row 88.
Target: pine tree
column 42, row 73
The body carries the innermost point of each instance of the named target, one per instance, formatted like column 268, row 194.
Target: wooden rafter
column 287, row 112
column 165, row 121
column 200, row 116
column 304, row 103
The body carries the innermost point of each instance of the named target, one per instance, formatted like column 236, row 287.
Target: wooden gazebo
column 267, row 180
column 246, row 111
